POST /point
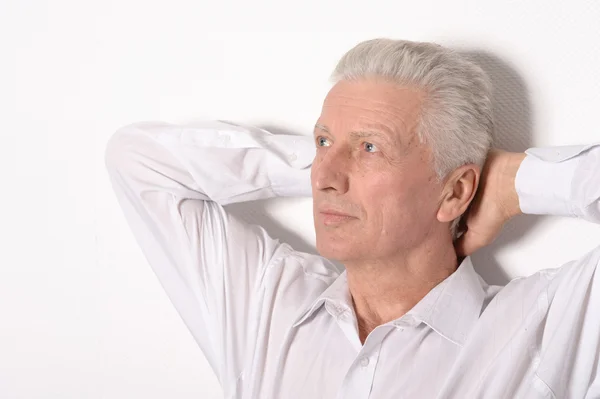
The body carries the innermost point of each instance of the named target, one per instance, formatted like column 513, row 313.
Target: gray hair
column 456, row 118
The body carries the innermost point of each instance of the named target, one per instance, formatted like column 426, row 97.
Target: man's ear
column 458, row 192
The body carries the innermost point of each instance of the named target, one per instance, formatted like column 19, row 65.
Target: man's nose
column 331, row 173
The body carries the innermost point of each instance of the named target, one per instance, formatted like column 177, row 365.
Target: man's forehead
column 384, row 106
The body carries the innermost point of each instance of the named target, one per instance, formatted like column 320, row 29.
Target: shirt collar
column 451, row 308
column 336, row 297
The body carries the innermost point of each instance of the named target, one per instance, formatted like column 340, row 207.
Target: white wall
column 81, row 314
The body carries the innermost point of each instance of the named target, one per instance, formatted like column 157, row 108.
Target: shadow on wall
column 512, row 115
column 512, row 132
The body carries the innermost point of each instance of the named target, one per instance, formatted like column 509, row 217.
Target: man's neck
column 384, row 290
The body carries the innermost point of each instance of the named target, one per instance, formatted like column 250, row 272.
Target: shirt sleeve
column 562, row 181
column 171, row 182
column 565, row 181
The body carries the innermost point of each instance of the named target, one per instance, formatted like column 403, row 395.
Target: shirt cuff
column 289, row 170
column 544, row 180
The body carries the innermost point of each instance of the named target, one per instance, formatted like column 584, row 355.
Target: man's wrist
column 511, row 162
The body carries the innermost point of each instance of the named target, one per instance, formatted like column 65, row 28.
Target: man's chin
column 340, row 252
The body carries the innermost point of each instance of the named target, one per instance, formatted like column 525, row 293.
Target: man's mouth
column 332, row 217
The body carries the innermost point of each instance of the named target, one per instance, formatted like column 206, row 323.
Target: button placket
column 372, row 347
column 359, row 380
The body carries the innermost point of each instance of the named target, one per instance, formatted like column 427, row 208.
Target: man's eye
column 322, row 142
column 370, row 147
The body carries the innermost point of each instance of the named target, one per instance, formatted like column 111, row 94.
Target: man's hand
column 495, row 202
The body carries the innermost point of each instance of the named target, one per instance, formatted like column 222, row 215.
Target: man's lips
column 334, row 217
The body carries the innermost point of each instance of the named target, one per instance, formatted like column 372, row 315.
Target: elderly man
column 400, row 152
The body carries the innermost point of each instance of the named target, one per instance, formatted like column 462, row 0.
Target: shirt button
column 364, row 362
column 293, row 157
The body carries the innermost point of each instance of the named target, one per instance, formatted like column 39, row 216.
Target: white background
column 81, row 313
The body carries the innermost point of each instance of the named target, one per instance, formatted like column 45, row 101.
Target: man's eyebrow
column 361, row 134
column 322, row 127
column 368, row 131
column 375, row 130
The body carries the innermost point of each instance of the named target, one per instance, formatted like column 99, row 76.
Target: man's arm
column 563, row 181
column 171, row 182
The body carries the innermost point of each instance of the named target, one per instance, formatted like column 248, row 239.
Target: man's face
column 371, row 168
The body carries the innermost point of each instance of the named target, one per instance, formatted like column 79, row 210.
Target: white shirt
column 274, row 322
